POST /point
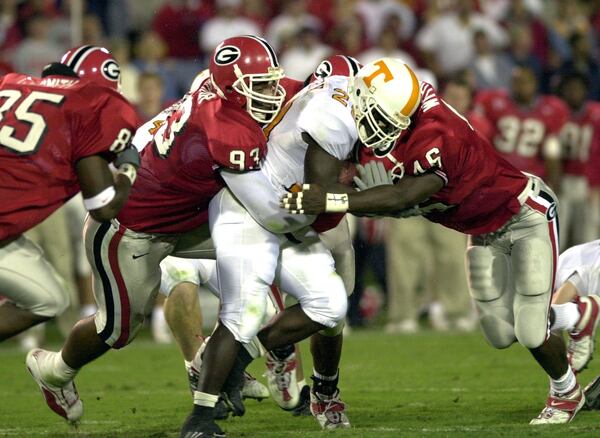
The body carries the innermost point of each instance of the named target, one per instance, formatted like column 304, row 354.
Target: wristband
column 129, row 171
column 336, row 203
column 100, row 200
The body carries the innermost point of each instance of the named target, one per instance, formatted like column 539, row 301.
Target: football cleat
column 253, row 388
column 63, row 400
column 561, row 409
column 303, row 408
column 592, row 395
column 198, row 427
column 282, row 381
column 222, row 409
column 581, row 338
column 329, row 411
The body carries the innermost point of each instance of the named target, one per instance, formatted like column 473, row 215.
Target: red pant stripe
column 113, row 258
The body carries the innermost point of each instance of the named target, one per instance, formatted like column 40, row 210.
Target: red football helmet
column 245, row 70
column 93, row 63
column 336, row 65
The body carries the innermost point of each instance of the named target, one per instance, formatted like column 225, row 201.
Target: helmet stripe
column 76, row 59
column 354, row 66
column 414, row 94
column 64, row 60
column 267, row 46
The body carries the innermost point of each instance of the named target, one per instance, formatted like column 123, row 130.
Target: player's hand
column 309, row 200
column 372, row 174
column 129, row 155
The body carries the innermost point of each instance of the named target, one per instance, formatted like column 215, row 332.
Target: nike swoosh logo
column 134, row 256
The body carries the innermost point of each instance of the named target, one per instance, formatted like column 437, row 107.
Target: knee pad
column 531, row 319
column 498, row 331
column 334, row 331
column 532, row 261
column 243, row 317
column 328, row 307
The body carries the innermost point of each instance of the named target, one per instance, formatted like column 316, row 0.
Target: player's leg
column 33, row 289
column 577, row 313
column 124, row 288
column 307, row 273
column 179, row 284
column 246, row 260
column 488, row 268
column 534, row 257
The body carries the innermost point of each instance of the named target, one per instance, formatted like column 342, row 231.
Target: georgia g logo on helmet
column 324, row 69
column 111, row 70
column 227, row 55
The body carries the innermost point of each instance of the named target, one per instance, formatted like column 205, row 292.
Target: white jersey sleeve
column 255, row 192
column 583, row 260
column 328, row 120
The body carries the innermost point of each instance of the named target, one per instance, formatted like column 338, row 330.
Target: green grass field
column 425, row 385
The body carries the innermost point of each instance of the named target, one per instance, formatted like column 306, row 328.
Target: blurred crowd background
column 409, row 272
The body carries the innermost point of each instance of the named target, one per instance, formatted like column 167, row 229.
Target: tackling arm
column 380, row 200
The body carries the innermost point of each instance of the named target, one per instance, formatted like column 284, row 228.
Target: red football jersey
column 521, row 134
column 579, row 136
column 179, row 173
column 46, row 125
column 481, row 189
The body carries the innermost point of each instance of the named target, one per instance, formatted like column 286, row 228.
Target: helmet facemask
column 264, row 95
column 376, row 128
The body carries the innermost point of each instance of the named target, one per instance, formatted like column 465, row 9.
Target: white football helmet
column 384, row 93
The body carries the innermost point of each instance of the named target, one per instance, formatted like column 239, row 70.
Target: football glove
column 372, row 174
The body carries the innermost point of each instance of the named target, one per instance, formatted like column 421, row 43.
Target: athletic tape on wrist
column 336, row 203
column 101, row 199
column 129, row 171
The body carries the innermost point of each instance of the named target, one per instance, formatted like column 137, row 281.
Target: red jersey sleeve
column 235, row 140
column 107, row 127
column 429, row 152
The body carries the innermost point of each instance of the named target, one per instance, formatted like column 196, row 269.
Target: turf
column 424, row 385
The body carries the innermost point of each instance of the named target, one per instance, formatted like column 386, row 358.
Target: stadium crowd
column 466, row 48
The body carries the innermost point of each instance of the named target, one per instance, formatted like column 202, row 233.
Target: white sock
column 205, row 399
column 326, row 378
column 565, row 316
column 87, row 310
column 57, row 371
column 564, row 384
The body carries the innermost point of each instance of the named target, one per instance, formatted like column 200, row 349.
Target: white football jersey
column 583, row 260
column 322, row 110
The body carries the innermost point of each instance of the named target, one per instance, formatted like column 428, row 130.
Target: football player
column 437, row 166
column 580, row 137
column 526, row 125
column 310, row 138
column 58, row 134
column 217, row 126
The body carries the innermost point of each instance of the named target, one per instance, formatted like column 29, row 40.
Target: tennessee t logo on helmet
column 382, row 70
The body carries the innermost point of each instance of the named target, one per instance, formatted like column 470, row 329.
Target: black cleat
column 221, row 409
column 592, row 395
column 303, row 407
column 197, row 425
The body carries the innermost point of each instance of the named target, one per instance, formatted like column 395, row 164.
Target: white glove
column 372, row 174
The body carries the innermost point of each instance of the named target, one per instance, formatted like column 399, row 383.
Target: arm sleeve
column 257, row 195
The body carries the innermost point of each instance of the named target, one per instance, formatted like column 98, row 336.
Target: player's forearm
column 111, row 210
